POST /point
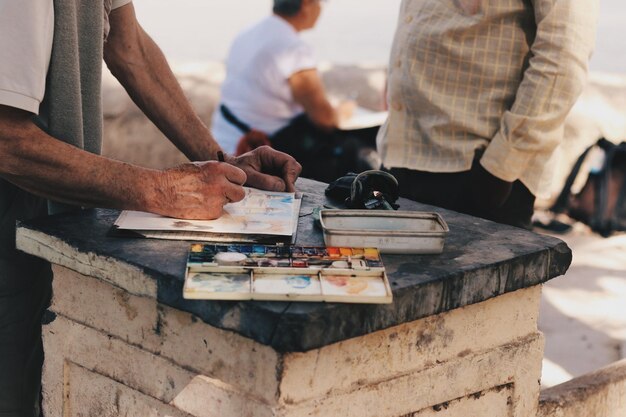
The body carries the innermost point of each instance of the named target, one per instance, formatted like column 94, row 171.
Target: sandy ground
column 583, row 313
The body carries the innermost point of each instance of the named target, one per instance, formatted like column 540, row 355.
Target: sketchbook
column 286, row 273
column 260, row 216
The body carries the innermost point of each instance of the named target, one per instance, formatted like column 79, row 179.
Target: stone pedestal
column 111, row 353
column 460, row 338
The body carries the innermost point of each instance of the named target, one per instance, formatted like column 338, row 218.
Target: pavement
column 583, row 313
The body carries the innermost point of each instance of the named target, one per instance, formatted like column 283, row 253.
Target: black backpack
column 601, row 203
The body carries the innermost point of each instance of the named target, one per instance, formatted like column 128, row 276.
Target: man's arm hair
column 45, row 166
column 140, row 66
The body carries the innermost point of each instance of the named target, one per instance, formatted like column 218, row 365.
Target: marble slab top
column 481, row 260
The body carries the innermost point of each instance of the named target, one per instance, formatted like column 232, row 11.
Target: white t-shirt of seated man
column 256, row 90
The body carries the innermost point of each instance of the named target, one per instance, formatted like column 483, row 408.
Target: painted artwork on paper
column 260, row 212
column 287, row 284
column 218, row 283
column 353, row 286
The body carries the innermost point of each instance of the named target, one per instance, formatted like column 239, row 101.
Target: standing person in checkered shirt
column 478, row 93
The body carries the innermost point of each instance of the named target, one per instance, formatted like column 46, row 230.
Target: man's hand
column 268, row 169
column 197, row 190
column 488, row 191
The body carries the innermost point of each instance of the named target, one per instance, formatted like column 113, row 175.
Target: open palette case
column 286, row 273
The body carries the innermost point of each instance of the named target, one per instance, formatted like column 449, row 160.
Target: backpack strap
column 618, row 214
column 600, row 221
column 234, row 120
column 562, row 201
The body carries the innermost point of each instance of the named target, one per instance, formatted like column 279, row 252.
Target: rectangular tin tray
column 390, row 231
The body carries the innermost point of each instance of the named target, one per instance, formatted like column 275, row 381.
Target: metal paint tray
column 390, row 231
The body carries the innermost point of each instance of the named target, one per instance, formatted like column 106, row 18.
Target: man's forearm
column 50, row 168
column 138, row 63
column 45, row 166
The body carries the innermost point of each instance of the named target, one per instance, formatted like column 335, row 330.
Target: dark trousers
column 21, row 349
column 25, row 291
column 325, row 155
column 453, row 191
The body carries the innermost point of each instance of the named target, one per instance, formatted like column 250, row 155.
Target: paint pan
column 350, row 288
column 218, row 286
column 295, row 287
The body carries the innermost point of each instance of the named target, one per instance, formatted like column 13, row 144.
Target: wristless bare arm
column 140, row 66
column 45, row 166
column 48, row 167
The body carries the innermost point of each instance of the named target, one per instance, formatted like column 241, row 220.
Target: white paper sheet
column 363, row 118
column 259, row 213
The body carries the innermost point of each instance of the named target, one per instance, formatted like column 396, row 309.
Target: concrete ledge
column 599, row 394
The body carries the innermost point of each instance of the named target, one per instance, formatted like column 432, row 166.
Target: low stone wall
column 597, row 394
column 129, row 136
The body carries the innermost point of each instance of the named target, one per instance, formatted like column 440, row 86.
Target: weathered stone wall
column 129, row 136
column 601, row 393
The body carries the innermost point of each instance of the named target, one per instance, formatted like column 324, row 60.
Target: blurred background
column 583, row 314
column 349, row 31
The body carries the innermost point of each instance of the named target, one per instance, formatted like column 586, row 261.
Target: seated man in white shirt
column 273, row 95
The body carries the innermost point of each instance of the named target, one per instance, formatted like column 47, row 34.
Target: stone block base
column 112, row 353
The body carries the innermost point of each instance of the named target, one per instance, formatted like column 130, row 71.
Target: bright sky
column 349, row 31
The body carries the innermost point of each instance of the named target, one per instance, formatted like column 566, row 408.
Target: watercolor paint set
column 286, row 273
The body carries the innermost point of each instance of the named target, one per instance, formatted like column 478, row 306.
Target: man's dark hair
column 287, row 7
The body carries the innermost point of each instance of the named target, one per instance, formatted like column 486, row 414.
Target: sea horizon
column 353, row 32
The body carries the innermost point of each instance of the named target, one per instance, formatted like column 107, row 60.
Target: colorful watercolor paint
column 353, row 286
column 320, row 261
column 258, row 249
column 271, row 252
column 372, row 254
column 265, row 263
column 345, row 252
column 374, row 264
column 309, row 251
column 299, row 263
column 247, row 249
column 218, row 283
column 287, row 284
column 358, row 253
column 285, row 272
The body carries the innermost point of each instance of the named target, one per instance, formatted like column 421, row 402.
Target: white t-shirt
column 256, row 89
column 26, row 31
